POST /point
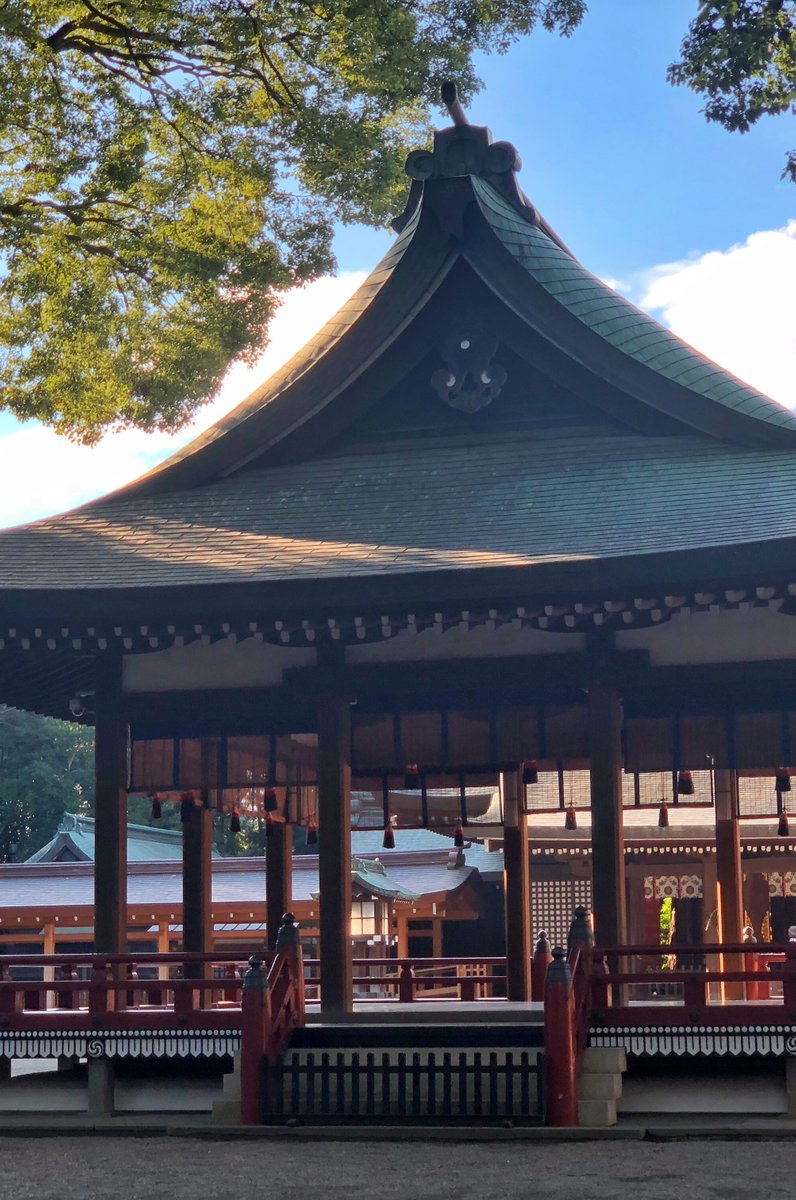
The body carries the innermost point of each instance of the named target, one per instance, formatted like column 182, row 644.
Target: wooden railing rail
column 118, row 982
column 421, row 980
column 757, row 966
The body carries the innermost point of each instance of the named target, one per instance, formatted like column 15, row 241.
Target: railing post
column 12, row 999
column 581, row 934
column 467, row 987
column 66, row 998
column 695, row 992
column 598, row 982
column 559, row 1043
column 751, row 962
column 255, row 1024
column 99, row 997
column 542, row 957
column 789, row 977
column 288, row 943
column 406, row 984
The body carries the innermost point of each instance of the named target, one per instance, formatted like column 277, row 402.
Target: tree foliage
column 46, row 769
column 167, row 165
column 741, row 55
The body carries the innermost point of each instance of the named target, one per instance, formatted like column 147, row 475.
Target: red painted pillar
column 542, row 957
column 559, row 1043
column 255, row 1026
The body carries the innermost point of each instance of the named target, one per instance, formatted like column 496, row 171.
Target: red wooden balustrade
column 588, row 987
column 272, row 1006
column 115, row 983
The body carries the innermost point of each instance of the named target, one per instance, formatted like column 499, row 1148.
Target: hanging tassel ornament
column 187, row 805
column 312, row 834
column 412, row 777
column 157, row 807
column 783, row 828
column 270, row 801
column 571, row 819
column 685, row 783
column 234, row 821
column 458, row 836
column 663, row 815
column 269, row 823
column 782, row 780
column 530, row 772
column 389, row 838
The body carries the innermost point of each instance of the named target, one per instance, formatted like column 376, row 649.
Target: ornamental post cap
column 462, row 148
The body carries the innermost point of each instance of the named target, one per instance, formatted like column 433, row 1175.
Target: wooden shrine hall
column 491, row 528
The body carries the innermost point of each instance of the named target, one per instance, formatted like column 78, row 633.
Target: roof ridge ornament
column 464, row 150
column 460, row 150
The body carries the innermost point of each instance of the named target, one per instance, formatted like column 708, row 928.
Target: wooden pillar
column 607, row 840
column 278, row 878
column 517, row 891
column 728, row 859
column 334, row 853
column 110, row 810
column 197, row 883
column 729, row 877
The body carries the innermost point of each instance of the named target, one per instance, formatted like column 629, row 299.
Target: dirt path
column 178, row 1169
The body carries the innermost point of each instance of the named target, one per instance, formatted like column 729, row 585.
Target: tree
column 167, row 165
column 46, row 769
column 741, row 55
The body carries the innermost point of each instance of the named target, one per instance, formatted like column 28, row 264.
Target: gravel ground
column 173, row 1168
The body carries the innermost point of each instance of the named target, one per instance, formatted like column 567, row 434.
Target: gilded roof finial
column 450, row 99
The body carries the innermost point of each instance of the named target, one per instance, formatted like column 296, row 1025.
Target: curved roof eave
column 352, row 340
column 621, row 343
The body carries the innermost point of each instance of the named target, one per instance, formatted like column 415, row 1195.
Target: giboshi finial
column 450, row 98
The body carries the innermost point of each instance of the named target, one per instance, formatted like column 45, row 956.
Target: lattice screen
column 553, row 902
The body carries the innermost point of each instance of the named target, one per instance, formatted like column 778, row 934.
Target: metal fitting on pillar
column 580, row 931
column 287, row 939
column 558, row 969
column 254, row 979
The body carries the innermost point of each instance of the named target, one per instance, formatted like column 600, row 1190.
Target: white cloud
column 738, row 306
column 44, row 473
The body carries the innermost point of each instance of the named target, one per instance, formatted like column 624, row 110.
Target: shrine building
column 495, row 553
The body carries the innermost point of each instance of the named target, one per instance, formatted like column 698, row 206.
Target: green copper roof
column 615, row 319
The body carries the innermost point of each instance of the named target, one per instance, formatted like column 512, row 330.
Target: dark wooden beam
column 278, row 877
column 334, row 853
column 517, row 892
column 110, row 811
column 608, row 858
column 197, row 884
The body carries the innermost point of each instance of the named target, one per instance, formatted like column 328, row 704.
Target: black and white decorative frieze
column 693, row 1041
column 167, row 1043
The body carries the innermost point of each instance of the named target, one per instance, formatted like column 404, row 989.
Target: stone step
column 600, row 1086
column 602, row 1060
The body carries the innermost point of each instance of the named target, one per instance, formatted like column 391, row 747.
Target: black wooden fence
column 426, row 1087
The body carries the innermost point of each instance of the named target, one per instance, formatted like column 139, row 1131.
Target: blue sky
column 686, row 219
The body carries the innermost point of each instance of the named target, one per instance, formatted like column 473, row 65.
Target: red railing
column 589, row 986
column 272, row 1006
column 426, row 980
column 753, row 985
column 78, row 986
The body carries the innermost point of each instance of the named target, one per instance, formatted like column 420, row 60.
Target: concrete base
column 226, row 1111
column 101, row 1087
column 597, row 1114
column 603, row 1086
column 600, row 1085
